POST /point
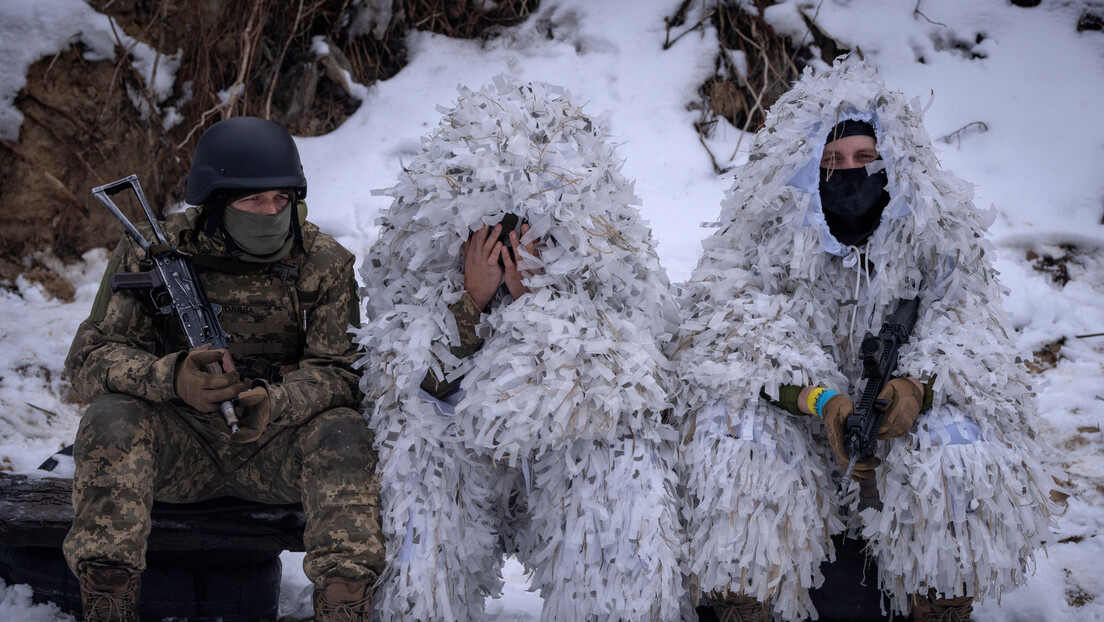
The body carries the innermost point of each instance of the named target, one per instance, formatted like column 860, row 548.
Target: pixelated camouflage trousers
column 130, row 452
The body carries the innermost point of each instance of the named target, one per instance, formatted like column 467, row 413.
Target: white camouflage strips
column 776, row 300
column 562, row 404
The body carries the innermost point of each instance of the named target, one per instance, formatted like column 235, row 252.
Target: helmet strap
column 296, row 229
column 212, row 213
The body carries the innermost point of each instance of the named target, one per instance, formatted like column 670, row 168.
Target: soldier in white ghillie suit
column 817, row 244
column 516, row 386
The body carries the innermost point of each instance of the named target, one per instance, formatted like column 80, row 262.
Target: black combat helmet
column 244, row 153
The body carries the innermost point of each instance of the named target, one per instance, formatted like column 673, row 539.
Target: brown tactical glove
column 835, row 413
column 904, row 399
column 201, row 383
column 256, row 413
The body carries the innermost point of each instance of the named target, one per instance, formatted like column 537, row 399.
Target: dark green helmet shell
column 244, row 153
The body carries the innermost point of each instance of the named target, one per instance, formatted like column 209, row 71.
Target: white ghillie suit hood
column 776, row 299
column 578, row 357
column 568, row 384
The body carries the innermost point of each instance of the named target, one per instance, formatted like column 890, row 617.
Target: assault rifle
column 879, row 360
column 173, row 285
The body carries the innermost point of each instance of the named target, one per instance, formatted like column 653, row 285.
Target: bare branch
column 917, row 11
column 965, row 129
column 280, row 61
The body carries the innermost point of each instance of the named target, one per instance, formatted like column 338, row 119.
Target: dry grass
column 1055, row 264
column 466, row 19
column 1046, row 357
column 743, row 94
column 255, row 57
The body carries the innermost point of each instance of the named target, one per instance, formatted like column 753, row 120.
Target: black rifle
column 879, row 360
column 173, row 285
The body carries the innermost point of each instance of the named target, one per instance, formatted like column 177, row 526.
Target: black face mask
column 853, row 202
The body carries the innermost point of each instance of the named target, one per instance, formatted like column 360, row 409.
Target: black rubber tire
column 230, row 593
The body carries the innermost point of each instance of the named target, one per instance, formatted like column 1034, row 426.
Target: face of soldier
column 852, row 200
column 260, row 223
column 265, row 203
column 849, row 152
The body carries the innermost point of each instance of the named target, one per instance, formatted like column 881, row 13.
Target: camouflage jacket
column 466, row 315
column 287, row 323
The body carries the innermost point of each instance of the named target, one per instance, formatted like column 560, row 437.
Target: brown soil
column 81, row 128
column 76, row 134
column 773, row 62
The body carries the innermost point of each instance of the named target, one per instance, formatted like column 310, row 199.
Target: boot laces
column 345, row 610
column 739, row 609
column 104, row 606
column 945, row 612
column 949, row 613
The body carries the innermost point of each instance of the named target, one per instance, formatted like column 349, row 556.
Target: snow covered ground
column 1025, row 75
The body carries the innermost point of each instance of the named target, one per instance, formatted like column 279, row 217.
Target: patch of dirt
column 967, row 48
column 77, row 133
column 286, row 61
column 1046, row 357
column 1078, row 597
column 1055, row 261
column 1090, row 21
column 56, row 285
column 753, row 67
column 1076, row 442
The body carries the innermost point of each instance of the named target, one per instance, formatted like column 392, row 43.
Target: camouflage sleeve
column 787, row 399
column 325, row 377
column 115, row 349
column 929, row 395
column 466, row 315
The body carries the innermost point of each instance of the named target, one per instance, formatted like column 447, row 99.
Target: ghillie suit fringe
column 559, row 410
column 776, row 300
column 767, row 474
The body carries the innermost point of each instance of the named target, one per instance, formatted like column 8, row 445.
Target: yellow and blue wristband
column 816, row 400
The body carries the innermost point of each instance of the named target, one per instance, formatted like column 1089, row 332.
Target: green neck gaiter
column 261, row 238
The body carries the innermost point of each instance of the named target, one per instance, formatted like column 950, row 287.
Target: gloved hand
column 256, row 414
column 835, row 414
column 201, row 383
column 905, row 399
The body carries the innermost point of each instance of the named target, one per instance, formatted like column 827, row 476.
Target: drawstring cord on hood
column 854, row 259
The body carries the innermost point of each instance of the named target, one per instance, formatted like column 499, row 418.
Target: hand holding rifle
column 174, row 288
column 887, row 406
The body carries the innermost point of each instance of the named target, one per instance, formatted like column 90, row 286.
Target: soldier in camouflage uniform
column 152, row 429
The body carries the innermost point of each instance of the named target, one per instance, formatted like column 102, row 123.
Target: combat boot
column 342, row 600
column 737, row 608
column 109, row 594
column 931, row 609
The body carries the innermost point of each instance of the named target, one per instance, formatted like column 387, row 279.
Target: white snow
column 1037, row 91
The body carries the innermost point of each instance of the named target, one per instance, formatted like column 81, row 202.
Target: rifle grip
column 868, row 495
